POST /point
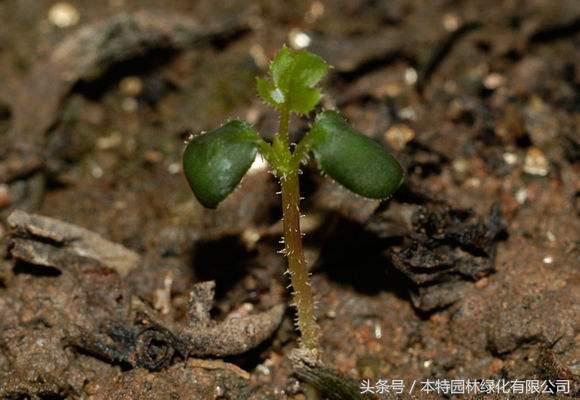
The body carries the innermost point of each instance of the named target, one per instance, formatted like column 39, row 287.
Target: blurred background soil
column 469, row 271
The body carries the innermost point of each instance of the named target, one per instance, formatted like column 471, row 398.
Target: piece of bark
column 52, row 243
column 309, row 368
column 142, row 341
column 444, row 248
column 234, row 335
column 146, row 342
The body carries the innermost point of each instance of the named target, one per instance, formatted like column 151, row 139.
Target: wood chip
column 52, row 243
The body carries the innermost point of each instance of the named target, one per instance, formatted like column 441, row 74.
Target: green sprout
column 215, row 162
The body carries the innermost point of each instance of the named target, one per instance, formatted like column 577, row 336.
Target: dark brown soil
column 469, row 272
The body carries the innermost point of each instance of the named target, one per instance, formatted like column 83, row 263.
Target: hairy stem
column 303, row 297
column 287, row 171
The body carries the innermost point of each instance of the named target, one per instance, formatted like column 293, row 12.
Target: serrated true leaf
column 352, row 159
column 294, row 75
column 303, row 100
column 214, row 163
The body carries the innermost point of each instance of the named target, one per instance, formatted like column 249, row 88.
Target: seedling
column 215, row 162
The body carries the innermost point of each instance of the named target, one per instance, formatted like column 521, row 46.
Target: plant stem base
column 300, row 279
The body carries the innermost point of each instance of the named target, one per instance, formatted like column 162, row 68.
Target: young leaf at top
column 352, row 159
column 293, row 77
column 214, row 163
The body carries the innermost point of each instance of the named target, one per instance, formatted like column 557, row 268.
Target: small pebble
column 548, row 260
column 250, row 236
column 63, row 15
column 153, row 157
column 299, row 40
column 482, row 283
column 92, row 388
column 253, row 115
column 510, row 158
column 451, row 22
column 398, row 136
column 262, row 369
column 536, row 162
column 97, row 172
column 378, row 331
column 316, row 11
column 131, row 86
column 258, row 55
column 494, row 81
column 162, row 297
column 265, row 368
column 130, row 104
column 460, row 165
column 473, row 182
column 109, row 142
column 411, row 76
column 407, row 113
column 174, row 168
column 521, row 196
column 242, row 311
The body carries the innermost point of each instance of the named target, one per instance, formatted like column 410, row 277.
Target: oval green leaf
column 352, row 159
column 214, row 163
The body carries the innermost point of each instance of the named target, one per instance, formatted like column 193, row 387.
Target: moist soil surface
column 470, row 271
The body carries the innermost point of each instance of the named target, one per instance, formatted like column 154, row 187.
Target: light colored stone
column 63, row 15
